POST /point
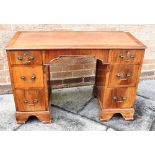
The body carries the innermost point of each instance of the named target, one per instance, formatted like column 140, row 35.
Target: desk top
column 74, row 40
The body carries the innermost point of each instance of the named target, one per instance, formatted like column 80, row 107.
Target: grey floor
column 74, row 109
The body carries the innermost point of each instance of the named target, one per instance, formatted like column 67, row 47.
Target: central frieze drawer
column 28, row 77
column 123, row 75
column 30, row 100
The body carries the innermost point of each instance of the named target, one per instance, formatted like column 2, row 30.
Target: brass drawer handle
column 118, row 75
column 126, row 60
column 22, row 77
column 26, row 101
column 20, row 58
column 32, row 78
column 121, row 56
column 35, row 101
column 132, row 56
column 127, row 57
column 31, row 58
column 118, row 100
column 26, row 62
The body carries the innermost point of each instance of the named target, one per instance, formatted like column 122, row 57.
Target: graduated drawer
column 119, row 97
column 28, row 77
column 30, row 100
column 126, row 56
column 123, row 75
column 25, row 57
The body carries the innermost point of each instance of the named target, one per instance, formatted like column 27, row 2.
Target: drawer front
column 25, row 57
column 30, row 100
column 126, row 56
column 123, row 75
column 119, row 97
column 28, row 77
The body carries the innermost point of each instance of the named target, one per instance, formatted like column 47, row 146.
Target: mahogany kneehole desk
column 119, row 58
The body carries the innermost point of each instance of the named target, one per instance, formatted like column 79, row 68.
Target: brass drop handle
column 33, row 77
column 35, row 101
column 127, row 57
column 26, row 62
column 31, row 58
column 22, row 77
column 119, row 101
column 121, row 56
column 20, row 58
column 26, row 101
column 124, row 78
column 132, row 56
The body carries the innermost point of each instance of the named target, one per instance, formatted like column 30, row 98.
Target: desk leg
column 43, row 116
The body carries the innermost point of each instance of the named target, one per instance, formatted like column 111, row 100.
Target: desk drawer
column 28, row 77
column 30, row 100
column 119, row 97
column 25, row 57
column 126, row 56
column 123, row 75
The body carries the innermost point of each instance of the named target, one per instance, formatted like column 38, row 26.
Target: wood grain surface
column 74, row 40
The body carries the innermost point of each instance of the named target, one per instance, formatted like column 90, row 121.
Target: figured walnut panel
column 119, row 98
column 30, row 100
column 123, row 75
column 23, row 76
